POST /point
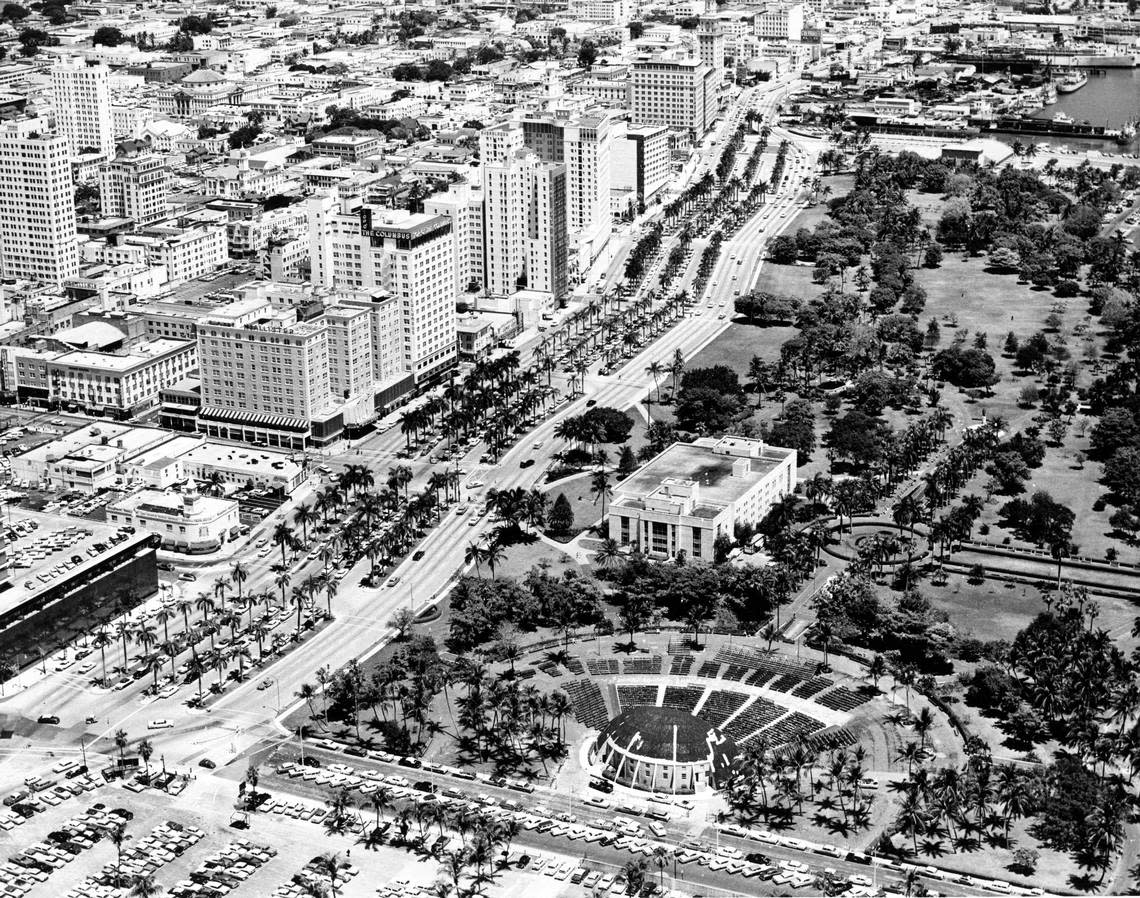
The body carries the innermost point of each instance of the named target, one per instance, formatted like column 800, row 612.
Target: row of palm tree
column 774, row 783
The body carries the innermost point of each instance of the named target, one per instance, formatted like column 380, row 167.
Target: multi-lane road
column 245, row 714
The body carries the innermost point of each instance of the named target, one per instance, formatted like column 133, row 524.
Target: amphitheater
column 747, row 695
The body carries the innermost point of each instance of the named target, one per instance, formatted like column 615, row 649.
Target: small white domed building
column 663, row 750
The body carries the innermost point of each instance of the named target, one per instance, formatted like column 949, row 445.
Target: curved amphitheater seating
column 754, row 717
column 629, row 696
column 602, row 667
column 842, row 699
column 683, row 697
column 650, row 665
column 680, row 665
column 721, row 705
column 589, row 706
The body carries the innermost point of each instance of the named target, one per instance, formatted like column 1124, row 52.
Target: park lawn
column 1053, row 873
column 739, row 343
column 986, row 610
column 587, row 512
column 1073, row 488
column 521, row 557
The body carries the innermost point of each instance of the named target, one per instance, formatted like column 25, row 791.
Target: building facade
column 361, row 248
column 38, row 239
column 265, row 377
column 679, row 93
column 661, row 511
column 134, row 185
column 185, row 522
column 82, row 101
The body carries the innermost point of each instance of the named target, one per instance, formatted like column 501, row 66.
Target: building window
column 659, row 538
column 696, row 542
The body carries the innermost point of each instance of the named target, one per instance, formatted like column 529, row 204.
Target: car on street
column 207, row 763
column 393, row 581
column 160, row 724
column 526, row 463
column 188, row 575
column 49, row 719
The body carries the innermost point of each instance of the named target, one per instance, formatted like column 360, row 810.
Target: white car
column 167, row 691
column 160, row 724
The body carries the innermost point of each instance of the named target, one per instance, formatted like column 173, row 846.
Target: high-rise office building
column 82, row 102
column 462, row 205
column 678, row 92
column 584, row 143
column 134, row 184
column 357, row 247
column 525, row 228
column 710, row 42
column 38, row 240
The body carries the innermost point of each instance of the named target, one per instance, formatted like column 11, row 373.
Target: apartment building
column 583, row 142
column 134, row 184
column 82, row 102
column 677, row 92
column 359, row 247
column 265, row 377
column 38, row 240
column 185, row 252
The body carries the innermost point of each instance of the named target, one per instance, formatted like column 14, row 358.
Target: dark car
column 419, row 554
column 756, row 857
column 590, row 403
column 526, row 463
column 48, row 718
column 311, row 761
column 207, row 763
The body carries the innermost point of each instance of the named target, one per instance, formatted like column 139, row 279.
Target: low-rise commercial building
column 684, row 498
column 185, row 522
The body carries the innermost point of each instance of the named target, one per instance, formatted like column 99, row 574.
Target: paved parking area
column 204, row 810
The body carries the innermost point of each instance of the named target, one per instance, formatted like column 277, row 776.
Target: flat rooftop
column 712, row 470
column 140, row 355
column 41, row 558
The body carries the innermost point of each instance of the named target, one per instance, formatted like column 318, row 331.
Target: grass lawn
column 985, row 610
column 520, row 558
column 587, row 512
column 737, row 345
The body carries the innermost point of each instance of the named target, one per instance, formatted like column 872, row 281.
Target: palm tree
column 493, row 554
column 474, row 555
column 145, row 750
column 118, row 836
column 876, row 668
column 655, row 369
column 282, row 537
column 101, row 640
column 600, row 487
column 121, row 742
column 609, row 553
column 330, row 865
column 922, row 724
column 303, row 516
column 145, row 887
column 239, row 575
